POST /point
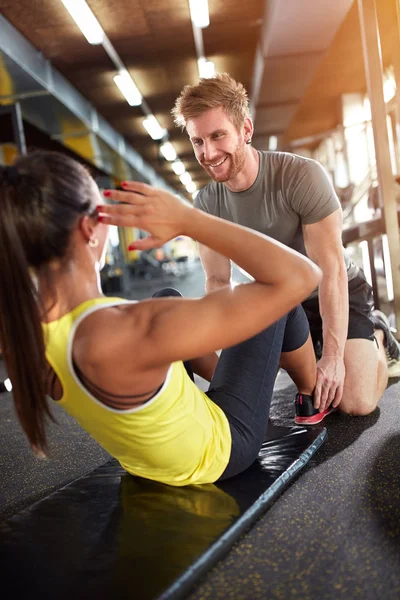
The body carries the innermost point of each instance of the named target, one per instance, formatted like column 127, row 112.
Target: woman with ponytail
column 117, row 366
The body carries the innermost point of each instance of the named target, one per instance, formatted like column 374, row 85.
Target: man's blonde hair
column 220, row 90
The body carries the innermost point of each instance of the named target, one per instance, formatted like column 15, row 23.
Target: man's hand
column 330, row 380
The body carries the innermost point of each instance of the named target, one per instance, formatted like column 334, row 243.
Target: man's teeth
column 219, row 163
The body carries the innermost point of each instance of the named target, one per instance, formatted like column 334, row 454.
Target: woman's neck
column 70, row 289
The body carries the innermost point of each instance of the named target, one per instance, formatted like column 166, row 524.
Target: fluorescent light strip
column 93, row 32
column 128, row 88
column 199, row 13
column 168, row 151
column 206, row 68
column 191, row 187
column 153, row 128
column 85, row 19
column 185, row 178
column 178, row 167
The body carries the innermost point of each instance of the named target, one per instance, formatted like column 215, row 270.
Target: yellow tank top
column 179, row 437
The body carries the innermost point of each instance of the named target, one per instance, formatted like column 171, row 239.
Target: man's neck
column 247, row 176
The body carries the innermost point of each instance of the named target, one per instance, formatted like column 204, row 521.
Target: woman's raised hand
column 156, row 211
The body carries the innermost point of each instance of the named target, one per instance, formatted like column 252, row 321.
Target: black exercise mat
column 111, row 535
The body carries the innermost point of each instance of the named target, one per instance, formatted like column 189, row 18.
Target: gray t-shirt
column 289, row 191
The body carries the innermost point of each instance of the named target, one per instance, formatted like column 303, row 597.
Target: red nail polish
column 107, row 193
column 100, row 218
column 124, row 183
column 132, row 247
column 99, row 207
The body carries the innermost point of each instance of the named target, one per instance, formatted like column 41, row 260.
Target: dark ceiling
column 310, row 53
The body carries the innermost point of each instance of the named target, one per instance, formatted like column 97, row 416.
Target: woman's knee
column 297, row 330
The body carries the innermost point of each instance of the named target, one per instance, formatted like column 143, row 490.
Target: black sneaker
column 306, row 414
column 392, row 346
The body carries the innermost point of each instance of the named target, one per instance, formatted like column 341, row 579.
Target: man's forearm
column 334, row 309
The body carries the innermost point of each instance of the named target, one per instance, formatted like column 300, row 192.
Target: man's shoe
column 392, row 346
column 306, row 414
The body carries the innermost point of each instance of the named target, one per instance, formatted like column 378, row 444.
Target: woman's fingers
column 120, row 220
column 121, row 215
column 137, row 186
column 157, row 212
column 135, row 192
column 120, row 209
column 125, row 197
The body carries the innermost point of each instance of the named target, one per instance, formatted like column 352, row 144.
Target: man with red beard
column 291, row 199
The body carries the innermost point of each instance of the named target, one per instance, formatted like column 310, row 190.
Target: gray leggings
column 244, row 379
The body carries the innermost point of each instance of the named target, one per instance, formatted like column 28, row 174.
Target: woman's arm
column 178, row 329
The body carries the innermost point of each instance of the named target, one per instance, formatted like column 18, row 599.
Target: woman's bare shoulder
column 105, row 331
column 108, row 349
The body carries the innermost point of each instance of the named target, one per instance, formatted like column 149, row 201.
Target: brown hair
column 220, row 90
column 41, row 200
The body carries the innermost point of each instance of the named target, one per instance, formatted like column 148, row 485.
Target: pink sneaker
column 306, row 414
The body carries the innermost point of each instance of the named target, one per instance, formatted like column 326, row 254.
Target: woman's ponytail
column 21, row 332
column 42, row 199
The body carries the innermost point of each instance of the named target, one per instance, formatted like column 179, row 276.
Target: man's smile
column 217, row 164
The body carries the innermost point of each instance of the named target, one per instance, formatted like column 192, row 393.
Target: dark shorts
column 360, row 306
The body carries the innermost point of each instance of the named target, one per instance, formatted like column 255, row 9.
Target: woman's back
column 178, row 436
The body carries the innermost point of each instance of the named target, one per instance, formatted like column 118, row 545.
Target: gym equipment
column 112, row 535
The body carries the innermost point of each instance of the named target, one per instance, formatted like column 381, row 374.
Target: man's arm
column 217, row 269
column 323, row 242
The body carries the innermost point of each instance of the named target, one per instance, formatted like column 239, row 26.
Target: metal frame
column 14, row 110
column 374, row 76
column 20, row 51
column 368, row 231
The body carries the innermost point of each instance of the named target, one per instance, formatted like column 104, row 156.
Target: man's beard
column 236, row 163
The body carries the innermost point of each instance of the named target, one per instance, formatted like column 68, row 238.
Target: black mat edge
column 32, row 501
column 184, row 584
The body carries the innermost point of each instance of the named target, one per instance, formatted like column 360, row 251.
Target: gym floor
column 334, row 533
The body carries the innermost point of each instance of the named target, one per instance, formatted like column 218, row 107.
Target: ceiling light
column 199, row 13
column 168, row 151
column 128, row 88
column 191, row 187
column 154, row 128
column 85, row 19
column 178, row 167
column 185, row 178
column 206, row 68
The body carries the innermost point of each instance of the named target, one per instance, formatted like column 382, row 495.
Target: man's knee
column 358, row 405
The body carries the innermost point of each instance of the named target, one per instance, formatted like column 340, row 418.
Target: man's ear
column 86, row 227
column 248, row 128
